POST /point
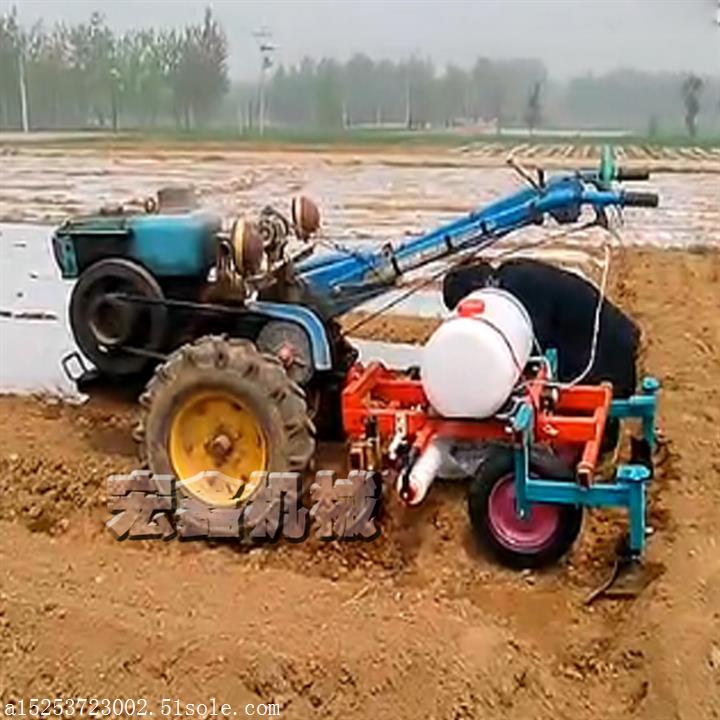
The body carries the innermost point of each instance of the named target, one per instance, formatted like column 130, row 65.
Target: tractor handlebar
column 608, row 173
column 560, row 198
column 632, row 174
column 349, row 278
column 640, row 199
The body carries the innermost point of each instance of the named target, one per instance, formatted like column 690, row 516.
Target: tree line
column 86, row 75
column 491, row 94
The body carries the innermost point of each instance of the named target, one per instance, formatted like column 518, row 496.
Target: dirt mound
column 57, row 457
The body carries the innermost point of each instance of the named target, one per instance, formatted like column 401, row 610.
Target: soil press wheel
column 218, row 410
column 544, row 536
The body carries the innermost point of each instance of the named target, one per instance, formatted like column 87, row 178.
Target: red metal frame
column 577, row 419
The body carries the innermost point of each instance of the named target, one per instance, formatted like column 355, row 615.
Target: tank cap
column 470, row 307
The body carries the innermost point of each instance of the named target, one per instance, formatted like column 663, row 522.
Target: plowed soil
column 416, row 624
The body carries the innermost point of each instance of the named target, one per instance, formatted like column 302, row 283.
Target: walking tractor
column 233, row 327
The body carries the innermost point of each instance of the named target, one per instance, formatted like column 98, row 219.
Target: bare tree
column 691, row 89
column 533, row 112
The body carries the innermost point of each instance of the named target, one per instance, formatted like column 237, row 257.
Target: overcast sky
column 570, row 36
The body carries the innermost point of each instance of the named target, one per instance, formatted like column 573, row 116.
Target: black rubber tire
column 498, row 465
column 149, row 326
column 234, row 365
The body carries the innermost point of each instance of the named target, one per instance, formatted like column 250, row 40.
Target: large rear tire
column 536, row 541
column 218, row 410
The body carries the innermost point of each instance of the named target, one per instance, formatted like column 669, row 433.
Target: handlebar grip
column 640, row 199
column 631, row 174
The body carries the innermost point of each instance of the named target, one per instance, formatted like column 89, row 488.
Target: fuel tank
column 473, row 361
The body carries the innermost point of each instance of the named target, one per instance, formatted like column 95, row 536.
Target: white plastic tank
column 474, row 359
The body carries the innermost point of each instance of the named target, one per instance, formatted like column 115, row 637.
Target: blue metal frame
column 640, row 406
column 307, row 320
column 630, row 484
column 347, row 279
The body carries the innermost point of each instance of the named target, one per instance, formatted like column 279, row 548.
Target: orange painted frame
column 577, row 418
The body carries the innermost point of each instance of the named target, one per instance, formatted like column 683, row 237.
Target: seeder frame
column 379, row 404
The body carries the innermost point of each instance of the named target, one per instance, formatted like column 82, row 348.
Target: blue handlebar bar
column 622, row 198
column 344, row 280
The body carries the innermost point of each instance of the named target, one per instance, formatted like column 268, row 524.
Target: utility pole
column 115, row 82
column 408, row 106
column 23, row 89
column 264, row 37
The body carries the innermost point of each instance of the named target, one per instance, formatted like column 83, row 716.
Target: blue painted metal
column 551, row 355
column 307, row 320
column 521, row 456
column 522, row 420
column 173, row 245
column 346, row 280
column 181, row 245
column 521, row 459
column 629, row 488
column 185, row 244
column 650, row 385
column 65, row 257
column 635, row 478
column 642, row 407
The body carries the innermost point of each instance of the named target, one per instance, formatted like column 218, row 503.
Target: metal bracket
column 642, row 407
column 629, row 488
column 66, row 363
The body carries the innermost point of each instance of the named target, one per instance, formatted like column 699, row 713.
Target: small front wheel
column 539, row 539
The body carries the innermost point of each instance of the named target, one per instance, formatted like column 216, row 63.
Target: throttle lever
column 523, row 173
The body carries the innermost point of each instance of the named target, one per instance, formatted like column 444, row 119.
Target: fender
column 308, row 321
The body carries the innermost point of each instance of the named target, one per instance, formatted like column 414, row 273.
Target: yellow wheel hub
column 215, row 445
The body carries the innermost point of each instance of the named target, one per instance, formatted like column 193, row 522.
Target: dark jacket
column 562, row 307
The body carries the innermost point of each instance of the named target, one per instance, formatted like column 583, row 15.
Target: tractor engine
column 149, row 281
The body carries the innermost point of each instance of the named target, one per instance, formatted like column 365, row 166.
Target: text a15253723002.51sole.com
column 131, row 708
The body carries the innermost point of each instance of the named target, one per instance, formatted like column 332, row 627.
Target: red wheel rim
column 528, row 535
